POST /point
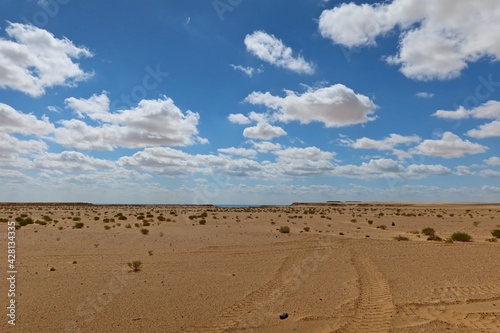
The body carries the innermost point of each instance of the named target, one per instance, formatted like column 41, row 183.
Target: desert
column 330, row 267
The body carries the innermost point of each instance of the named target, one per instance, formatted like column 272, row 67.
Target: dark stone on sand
column 284, row 315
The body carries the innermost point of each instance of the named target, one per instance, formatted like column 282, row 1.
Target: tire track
column 374, row 307
column 250, row 312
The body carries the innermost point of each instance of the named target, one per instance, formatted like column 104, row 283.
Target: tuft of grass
column 144, row 231
column 202, row 221
column 78, row 225
column 493, row 240
column 496, row 233
column 434, row 238
column 461, row 237
column 401, row 238
column 476, row 223
column 107, row 227
column 307, row 229
column 284, row 229
column 429, row 231
column 76, row 218
column 135, row 266
column 383, row 227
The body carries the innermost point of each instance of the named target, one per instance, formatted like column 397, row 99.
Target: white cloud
column 13, row 121
column 238, row 151
column 492, row 161
column 388, row 143
column 309, row 153
column 429, row 170
column 238, row 118
column 12, row 145
column 269, row 48
column 424, row 95
column 34, row 60
column 335, row 106
column 488, row 110
column 489, row 173
column 438, row 38
column 249, row 71
column 265, row 146
column 449, row 146
column 263, row 131
column 488, row 130
column 151, row 123
column 70, row 161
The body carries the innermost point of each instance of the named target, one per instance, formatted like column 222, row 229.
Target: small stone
column 52, row 269
column 393, row 224
column 284, row 315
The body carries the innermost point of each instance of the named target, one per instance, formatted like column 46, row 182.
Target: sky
column 249, row 102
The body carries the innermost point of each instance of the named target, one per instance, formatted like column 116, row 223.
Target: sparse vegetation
column 428, row 231
column 135, row 266
column 461, row 237
column 284, row 229
column 496, row 233
column 307, row 229
column 144, row 231
column 401, row 238
column 78, row 225
column 202, row 221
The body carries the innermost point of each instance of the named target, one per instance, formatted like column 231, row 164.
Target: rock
column 393, row 224
column 284, row 315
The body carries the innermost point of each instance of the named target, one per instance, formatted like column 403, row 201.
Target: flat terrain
column 211, row 269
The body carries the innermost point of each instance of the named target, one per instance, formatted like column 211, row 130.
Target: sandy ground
column 238, row 273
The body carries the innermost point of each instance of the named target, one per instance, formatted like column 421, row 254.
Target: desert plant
column 76, row 218
column 284, row 229
column 107, row 227
column 434, row 238
column 493, row 240
column 202, row 221
column 496, row 233
column 383, row 227
column 78, row 225
column 136, row 265
column 144, row 231
column 429, row 231
column 401, row 238
column 307, row 229
column 461, row 237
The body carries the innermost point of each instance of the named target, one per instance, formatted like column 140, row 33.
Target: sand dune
column 340, row 269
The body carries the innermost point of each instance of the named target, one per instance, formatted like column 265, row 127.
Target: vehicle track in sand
column 374, row 307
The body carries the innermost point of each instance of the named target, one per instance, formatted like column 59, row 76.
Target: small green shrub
column 461, row 237
column 401, row 238
column 202, row 221
column 136, row 265
column 496, row 233
column 383, row 227
column 284, row 229
column 307, row 229
column 76, row 218
column 107, row 227
column 122, row 217
column 78, row 225
column 434, row 238
column 493, row 240
column 47, row 218
column 429, row 231
column 144, row 231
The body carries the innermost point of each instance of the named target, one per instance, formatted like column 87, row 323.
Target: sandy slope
column 237, row 273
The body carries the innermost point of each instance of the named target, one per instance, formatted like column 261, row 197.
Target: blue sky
column 249, row 102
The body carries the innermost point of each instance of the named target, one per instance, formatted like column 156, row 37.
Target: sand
column 238, row 273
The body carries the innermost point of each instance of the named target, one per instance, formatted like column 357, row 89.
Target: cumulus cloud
column 13, row 121
column 238, row 151
column 437, row 41
column 272, row 50
column 492, row 161
column 70, row 161
column 238, row 118
column 265, row 146
column 335, row 106
column 33, row 60
column 152, row 123
column 11, row 145
column 488, row 110
column 449, row 146
column 388, row 143
column 488, row 130
column 263, row 131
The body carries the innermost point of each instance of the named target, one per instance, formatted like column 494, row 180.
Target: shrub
column 76, row 218
column 383, row 227
column 429, row 231
column 307, row 229
column 78, row 225
column 144, row 231
column 461, row 237
column 136, row 265
column 107, row 227
column 284, row 229
column 493, row 240
column 496, row 233
column 434, row 238
column 96, row 218
column 122, row 217
column 202, row 221
column 401, row 238
column 370, row 221
column 47, row 218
